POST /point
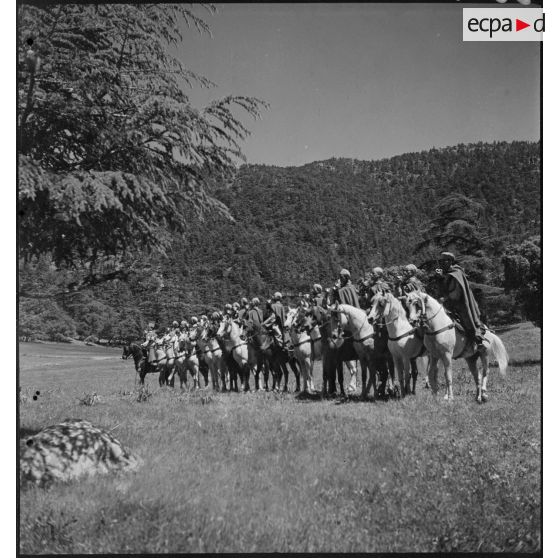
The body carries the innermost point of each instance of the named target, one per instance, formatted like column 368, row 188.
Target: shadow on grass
column 524, row 362
column 337, row 398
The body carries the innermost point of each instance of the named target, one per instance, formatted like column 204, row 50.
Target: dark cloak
column 280, row 313
column 460, row 299
column 348, row 295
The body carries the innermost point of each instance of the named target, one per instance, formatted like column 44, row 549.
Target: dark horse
column 383, row 361
column 275, row 356
column 333, row 358
column 138, row 353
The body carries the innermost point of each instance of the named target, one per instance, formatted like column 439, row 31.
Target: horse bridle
column 422, row 316
column 352, row 336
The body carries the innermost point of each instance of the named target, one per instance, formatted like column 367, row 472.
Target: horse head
column 416, row 304
column 290, row 319
column 381, row 306
column 126, row 352
column 225, row 328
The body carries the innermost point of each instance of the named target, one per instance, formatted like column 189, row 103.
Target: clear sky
column 364, row 80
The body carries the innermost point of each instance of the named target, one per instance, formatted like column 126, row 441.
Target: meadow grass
column 273, row 472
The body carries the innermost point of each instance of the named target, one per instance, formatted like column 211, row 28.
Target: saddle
column 471, row 339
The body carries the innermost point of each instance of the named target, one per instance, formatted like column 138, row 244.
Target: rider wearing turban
column 346, row 291
column 457, row 296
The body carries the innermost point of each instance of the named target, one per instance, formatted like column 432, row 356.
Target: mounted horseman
column 275, row 321
column 243, row 312
column 344, row 290
column 149, row 343
column 457, row 296
column 408, row 282
column 253, row 318
column 333, row 357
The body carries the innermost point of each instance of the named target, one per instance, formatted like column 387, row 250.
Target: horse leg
column 484, row 362
column 398, row 361
column 326, row 367
column 447, row 362
column 365, row 385
column 384, row 376
column 195, row 371
column 433, row 374
column 171, row 369
column 226, row 371
column 477, row 375
column 414, row 375
column 351, row 366
column 181, row 371
column 305, row 370
column 372, row 370
column 162, row 375
column 340, row 380
column 285, row 372
column 214, row 376
column 296, row 372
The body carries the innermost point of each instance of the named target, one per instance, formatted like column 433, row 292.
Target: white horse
column 229, row 332
column 186, row 358
column 307, row 346
column 213, row 356
column 404, row 342
column 445, row 342
column 164, row 361
column 346, row 317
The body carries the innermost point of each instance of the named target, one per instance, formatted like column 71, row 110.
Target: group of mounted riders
column 276, row 321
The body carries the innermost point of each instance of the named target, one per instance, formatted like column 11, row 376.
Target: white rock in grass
column 71, row 449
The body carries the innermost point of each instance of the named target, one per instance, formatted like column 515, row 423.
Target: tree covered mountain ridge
column 294, row 226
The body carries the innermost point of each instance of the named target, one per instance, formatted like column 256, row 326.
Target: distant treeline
column 299, row 225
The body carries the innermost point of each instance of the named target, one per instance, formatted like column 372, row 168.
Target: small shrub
column 90, row 399
column 143, row 394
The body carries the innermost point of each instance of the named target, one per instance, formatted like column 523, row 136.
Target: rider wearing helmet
column 346, row 292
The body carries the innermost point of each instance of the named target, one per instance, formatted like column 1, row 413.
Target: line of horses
column 385, row 340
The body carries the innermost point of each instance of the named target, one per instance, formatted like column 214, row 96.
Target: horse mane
column 352, row 311
column 397, row 304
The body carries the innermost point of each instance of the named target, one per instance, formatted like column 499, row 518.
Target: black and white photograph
column 279, row 277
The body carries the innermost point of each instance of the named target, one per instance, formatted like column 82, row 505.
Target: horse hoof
column 484, row 397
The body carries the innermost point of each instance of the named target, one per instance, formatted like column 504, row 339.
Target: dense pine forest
column 297, row 225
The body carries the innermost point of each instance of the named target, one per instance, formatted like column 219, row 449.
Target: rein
column 410, row 332
column 425, row 318
column 359, row 329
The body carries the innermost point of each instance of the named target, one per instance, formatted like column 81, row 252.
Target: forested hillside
column 297, row 225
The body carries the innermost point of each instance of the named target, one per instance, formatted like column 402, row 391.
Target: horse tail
column 497, row 352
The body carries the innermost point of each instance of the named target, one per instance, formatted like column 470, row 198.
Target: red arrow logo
column 519, row 25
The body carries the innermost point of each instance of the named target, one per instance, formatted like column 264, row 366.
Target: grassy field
column 274, row 473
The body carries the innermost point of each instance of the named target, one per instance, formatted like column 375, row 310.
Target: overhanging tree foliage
column 110, row 149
